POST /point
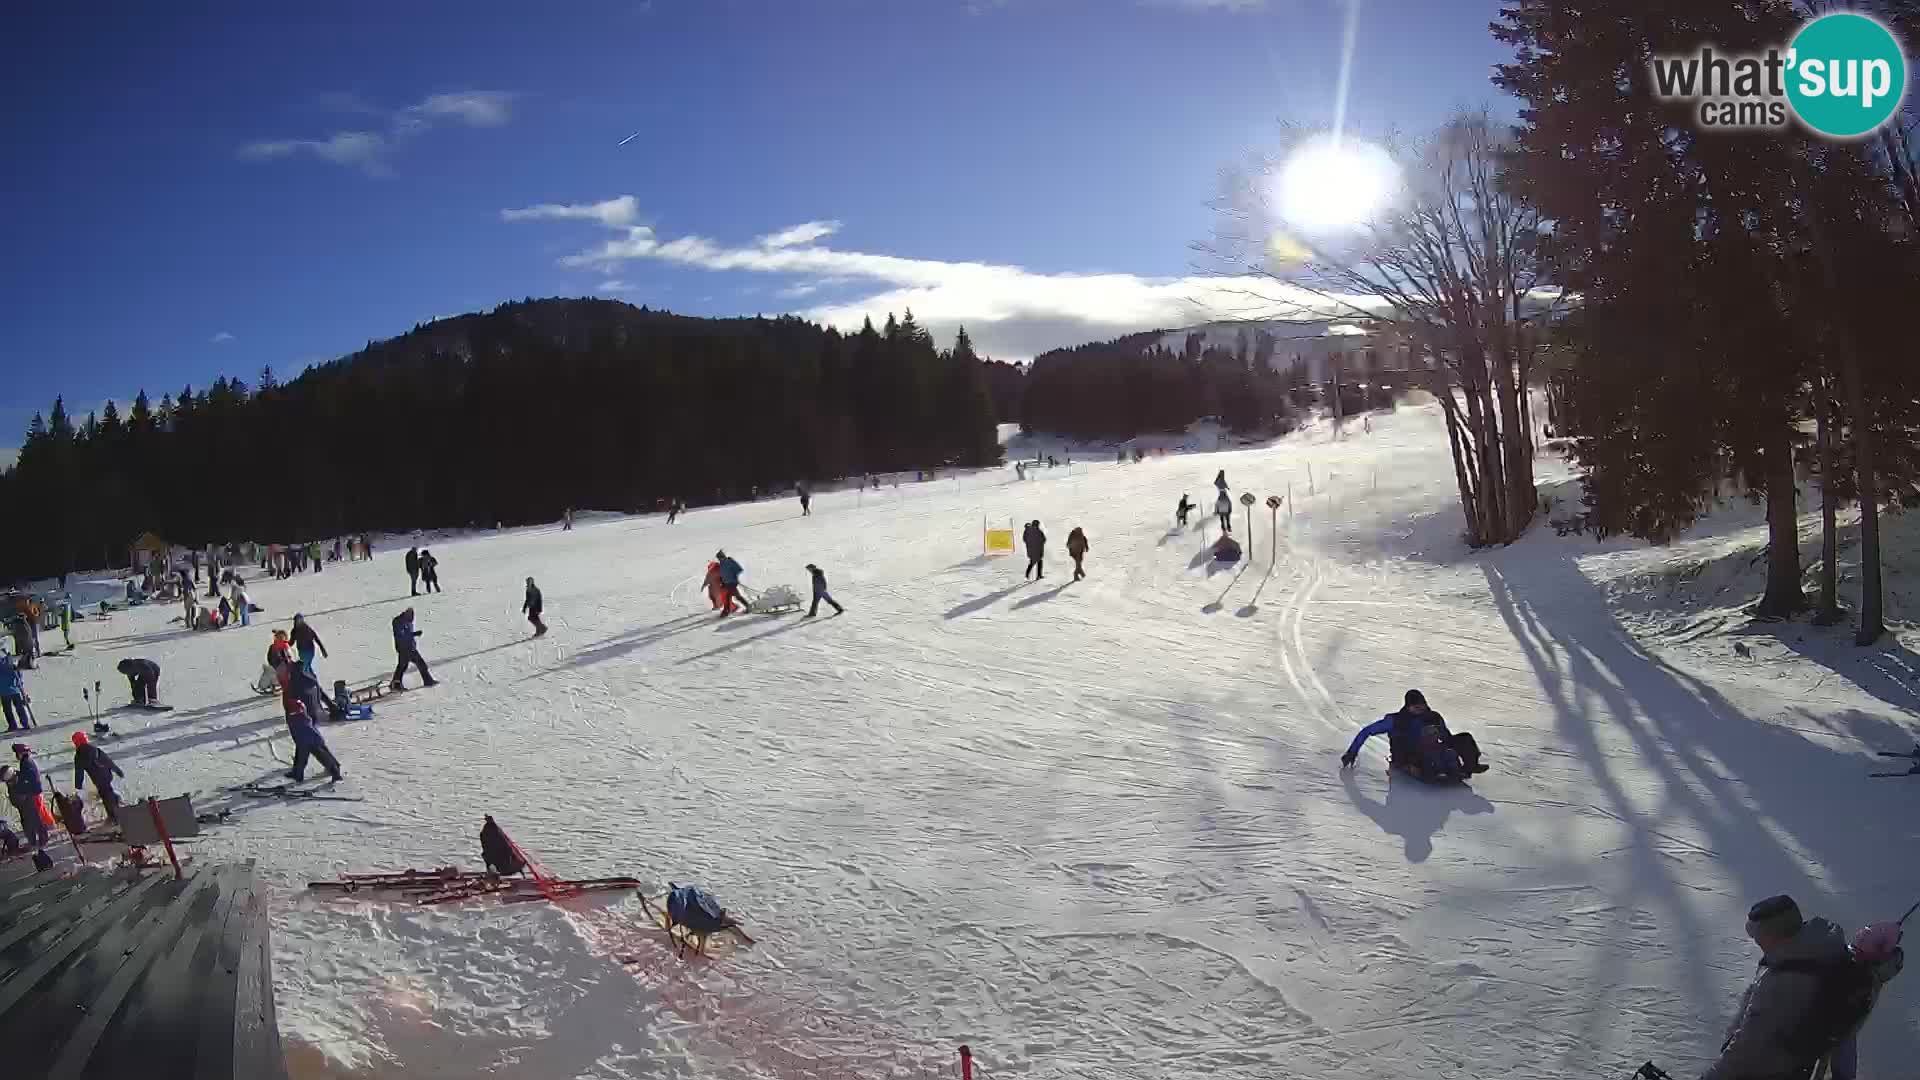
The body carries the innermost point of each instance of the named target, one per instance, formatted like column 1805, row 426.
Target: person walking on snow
column 66, row 621
column 13, row 695
column 820, row 593
column 806, row 501
column 730, row 572
column 716, row 592
column 92, row 763
column 143, row 679
column 1077, row 550
column 1180, row 512
column 1036, row 551
column 413, row 571
column 430, row 571
column 1220, row 481
column 24, row 790
column 531, row 608
column 241, row 605
column 404, row 636
column 308, row 743
column 1223, row 508
column 305, row 641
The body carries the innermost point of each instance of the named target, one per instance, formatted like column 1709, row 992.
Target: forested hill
column 512, row 415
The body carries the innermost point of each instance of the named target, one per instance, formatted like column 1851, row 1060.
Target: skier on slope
column 307, row 742
column 24, row 790
column 729, row 572
column 531, row 608
column 305, row 641
column 13, row 695
column 1077, row 551
column 404, row 636
column 1419, row 744
column 92, row 763
column 143, row 679
column 1808, row 999
column 1223, row 508
column 1036, row 542
column 413, row 571
column 820, row 592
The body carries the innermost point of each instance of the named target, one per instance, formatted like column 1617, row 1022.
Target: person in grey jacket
column 1761, row 1042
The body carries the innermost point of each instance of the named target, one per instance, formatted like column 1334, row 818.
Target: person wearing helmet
column 92, row 763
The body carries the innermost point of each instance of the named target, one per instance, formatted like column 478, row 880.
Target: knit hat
column 22, row 748
column 1415, row 697
column 1776, row 916
column 79, row 738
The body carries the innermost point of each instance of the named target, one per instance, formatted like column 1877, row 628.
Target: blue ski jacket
column 11, row 682
column 403, row 633
column 730, row 571
column 26, row 780
column 1402, row 730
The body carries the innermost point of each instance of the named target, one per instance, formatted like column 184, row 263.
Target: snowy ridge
column 1091, row 829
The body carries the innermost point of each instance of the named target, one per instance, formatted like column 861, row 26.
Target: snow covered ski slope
column 1092, row 829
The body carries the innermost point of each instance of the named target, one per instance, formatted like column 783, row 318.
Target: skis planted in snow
column 1913, row 755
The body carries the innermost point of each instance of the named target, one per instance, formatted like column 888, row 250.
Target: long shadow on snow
column 1889, row 671
column 732, row 645
column 125, row 751
column 970, row 606
column 1221, row 600
column 621, row 644
column 1042, row 597
column 1413, row 811
column 311, row 615
column 1751, row 788
column 1252, row 606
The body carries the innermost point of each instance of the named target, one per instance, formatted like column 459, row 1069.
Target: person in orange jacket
column 716, row 592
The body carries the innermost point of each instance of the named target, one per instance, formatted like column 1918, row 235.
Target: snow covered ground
column 1092, row 829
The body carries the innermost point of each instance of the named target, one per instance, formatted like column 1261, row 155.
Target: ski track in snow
column 1093, row 829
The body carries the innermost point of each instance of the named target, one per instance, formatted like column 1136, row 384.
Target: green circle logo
column 1846, row 75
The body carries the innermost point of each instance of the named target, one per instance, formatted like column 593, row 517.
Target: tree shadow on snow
column 1889, row 671
column 968, row 607
column 1413, row 811
column 1780, row 812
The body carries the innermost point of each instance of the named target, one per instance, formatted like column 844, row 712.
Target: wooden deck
column 136, row 974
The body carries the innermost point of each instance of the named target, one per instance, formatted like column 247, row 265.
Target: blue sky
column 207, row 189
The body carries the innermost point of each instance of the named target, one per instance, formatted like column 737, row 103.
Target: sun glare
column 1335, row 183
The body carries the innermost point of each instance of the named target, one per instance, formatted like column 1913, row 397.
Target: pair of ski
column 1912, row 755
column 294, row 789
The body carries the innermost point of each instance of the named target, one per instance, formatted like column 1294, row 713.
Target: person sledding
column 1420, row 745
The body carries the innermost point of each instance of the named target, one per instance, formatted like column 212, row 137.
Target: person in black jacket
column 820, row 593
column 532, row 607
column 307, row 742
column 413, row 571
column 430, row 571
column 1036, row 551
column 409, row 653
column 143, row 678
column 92, row 763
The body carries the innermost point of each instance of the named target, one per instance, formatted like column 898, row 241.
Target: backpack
column 696, row 909
column 1846, row 994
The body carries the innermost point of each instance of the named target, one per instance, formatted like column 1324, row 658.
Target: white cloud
column 615, row 285
column 222, row 338
column 1010, row 311
column 800, row 235
column 368, row 150
column 613, row 212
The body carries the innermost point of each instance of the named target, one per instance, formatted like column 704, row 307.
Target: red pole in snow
column 161, row 828
column 966, row 1063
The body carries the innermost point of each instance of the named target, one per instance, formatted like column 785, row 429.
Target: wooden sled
column 361, row 695
column 777, row 600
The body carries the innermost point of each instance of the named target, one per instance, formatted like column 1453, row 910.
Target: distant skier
column 1223, row 509
column 413, row 571
column 308, row 743
column 305, row 641
column 404, row 636
column 730, row 572
column 1419, row 744
column 1180, row 512
column 1077, row 551
column 673, row 510
column 1036, row 542
column 806, row 502
column 531, row 608
column 430, row 571
column 820, row 593
column 497, row 851
column 92, row 763
column 24, row 790
column 13, row 695
column 143, row 679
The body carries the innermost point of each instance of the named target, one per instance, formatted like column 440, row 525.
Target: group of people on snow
column 422, row 569
column 1035, row 539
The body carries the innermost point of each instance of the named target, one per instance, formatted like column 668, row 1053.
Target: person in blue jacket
column 24, row 790
column 820, row 592
column 730, row 572
column 403, row 646
column 1419, row 744
column 13, row 695
column 307, row 742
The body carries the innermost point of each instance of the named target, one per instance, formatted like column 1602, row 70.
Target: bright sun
column 1335, row 183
